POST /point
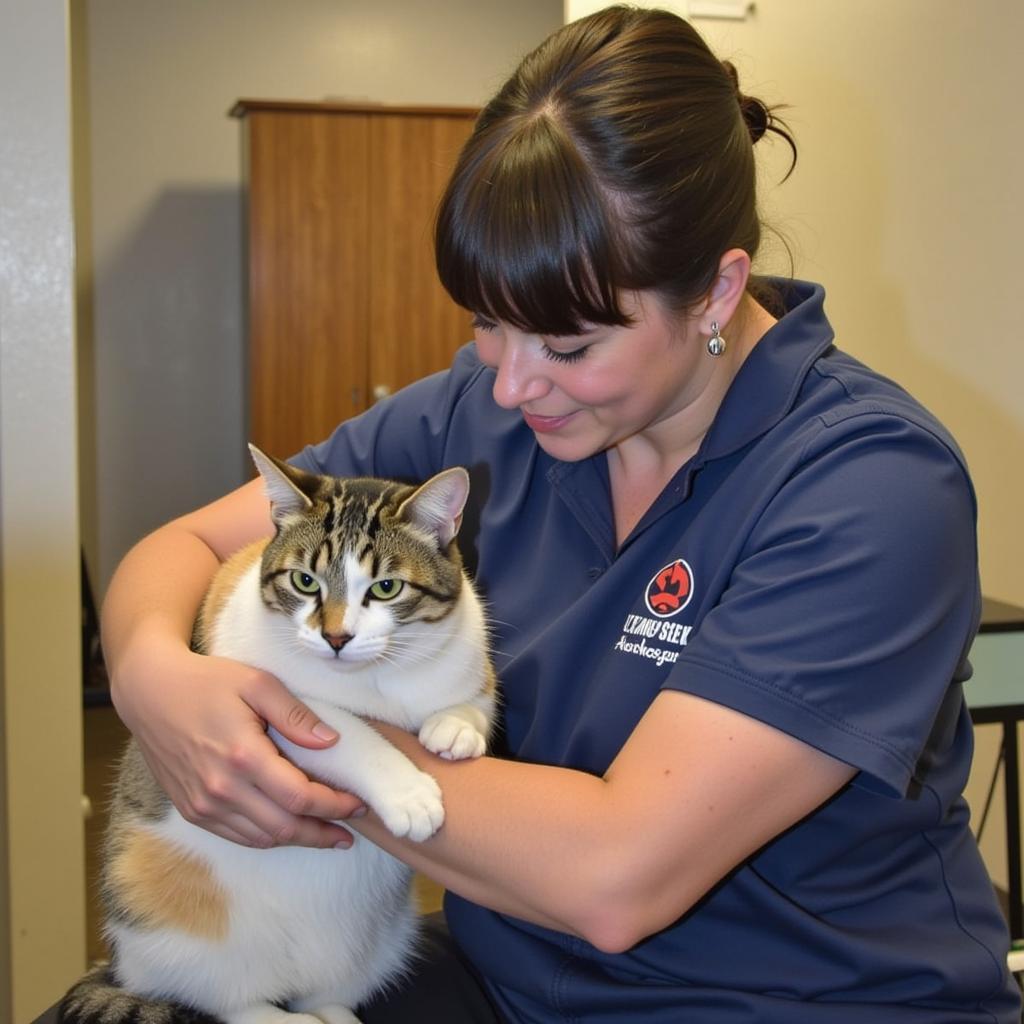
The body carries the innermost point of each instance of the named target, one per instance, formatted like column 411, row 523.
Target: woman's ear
column 727, row 290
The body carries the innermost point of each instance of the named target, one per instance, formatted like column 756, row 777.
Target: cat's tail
column 98, row 999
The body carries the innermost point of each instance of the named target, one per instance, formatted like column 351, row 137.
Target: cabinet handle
column 381, row 391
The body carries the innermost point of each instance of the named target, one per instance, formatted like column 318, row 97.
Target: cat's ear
column 282, row 483
column 437, row 505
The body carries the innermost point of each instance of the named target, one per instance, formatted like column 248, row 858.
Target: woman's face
column 582, row 394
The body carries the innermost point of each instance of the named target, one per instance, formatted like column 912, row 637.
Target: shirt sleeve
column 404, row 437
column 848, row 617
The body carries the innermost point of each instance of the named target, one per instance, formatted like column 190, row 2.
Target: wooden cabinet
column 344, row 301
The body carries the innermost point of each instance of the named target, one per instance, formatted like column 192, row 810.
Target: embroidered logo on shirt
column 657, row 639
column 670, row 590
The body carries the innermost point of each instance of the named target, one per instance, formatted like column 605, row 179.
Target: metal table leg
column 1011, row 776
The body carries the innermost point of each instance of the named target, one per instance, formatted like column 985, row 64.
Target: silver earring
column 716, row 343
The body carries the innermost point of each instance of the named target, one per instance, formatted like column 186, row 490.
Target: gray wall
column 905, row 203
column 159, row 209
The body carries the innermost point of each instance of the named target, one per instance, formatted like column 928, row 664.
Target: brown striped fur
column 97, row 996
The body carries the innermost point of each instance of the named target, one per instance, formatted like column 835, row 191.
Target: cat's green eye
column 304, row 583
column 386, row 590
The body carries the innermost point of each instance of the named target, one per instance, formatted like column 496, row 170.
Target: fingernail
column 324, row 732
column 359, row 812
column 343, row 844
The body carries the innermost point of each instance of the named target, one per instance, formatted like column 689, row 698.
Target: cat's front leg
column 456, row 733
column 406, row 799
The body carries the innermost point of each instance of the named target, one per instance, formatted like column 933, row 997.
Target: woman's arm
column 696, row 790
column 200, row 720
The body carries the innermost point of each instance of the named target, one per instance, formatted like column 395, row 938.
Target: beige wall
column 42, row 914
column 165, row 260
column 905, row 204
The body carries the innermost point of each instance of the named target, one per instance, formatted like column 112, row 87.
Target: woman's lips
column 546, row 424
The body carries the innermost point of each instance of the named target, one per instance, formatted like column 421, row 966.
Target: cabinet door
column 309, row 275
column 414, row 327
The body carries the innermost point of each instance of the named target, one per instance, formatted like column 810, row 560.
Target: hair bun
column 756, row 116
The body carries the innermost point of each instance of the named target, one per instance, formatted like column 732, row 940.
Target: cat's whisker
column 388, row 659
column 417, row 632
column 428, row 636
column 491, row 623
column 417, row 639
column 405, row 657
column 435, row 649
column 408, row 637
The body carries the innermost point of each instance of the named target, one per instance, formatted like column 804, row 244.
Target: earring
column 716, row 343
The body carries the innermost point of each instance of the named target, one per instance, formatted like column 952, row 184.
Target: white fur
column 324, row 929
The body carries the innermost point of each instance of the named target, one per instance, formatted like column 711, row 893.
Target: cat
column 360, row 605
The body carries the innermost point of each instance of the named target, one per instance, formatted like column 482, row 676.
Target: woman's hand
column 200, row 723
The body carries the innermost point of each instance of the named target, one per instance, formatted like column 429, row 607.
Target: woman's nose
column 520, row 373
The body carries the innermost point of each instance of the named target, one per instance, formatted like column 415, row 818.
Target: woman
column 730, row 643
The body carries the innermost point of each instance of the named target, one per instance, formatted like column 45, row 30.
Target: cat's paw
column 335, row 1015
column 452, row 737
column 416, row 812
column 265, row 1013
column 316, row 1008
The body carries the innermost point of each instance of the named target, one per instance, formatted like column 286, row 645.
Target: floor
column 104, row 737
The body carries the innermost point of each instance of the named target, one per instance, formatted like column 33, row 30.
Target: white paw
column 416, row 811
column 335, row 1015
column 265, row 1013
column 452, row 737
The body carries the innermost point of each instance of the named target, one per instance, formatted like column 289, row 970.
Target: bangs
column 524, row 233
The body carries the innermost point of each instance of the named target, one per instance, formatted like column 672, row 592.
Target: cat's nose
column 337, row 640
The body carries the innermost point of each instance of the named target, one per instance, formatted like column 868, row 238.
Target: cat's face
column 362, row 570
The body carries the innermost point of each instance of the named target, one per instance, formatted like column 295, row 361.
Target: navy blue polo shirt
column 814, row 565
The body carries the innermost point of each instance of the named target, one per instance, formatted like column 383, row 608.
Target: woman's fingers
column 289, row 790
column 287, row 786
column 277, row 706
column 255, row 792
column 202, row 730
column 276, row 830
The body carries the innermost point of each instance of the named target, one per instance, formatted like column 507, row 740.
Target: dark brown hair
column 617, row 156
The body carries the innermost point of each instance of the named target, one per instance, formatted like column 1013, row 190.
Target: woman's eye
column 564, row 357
column 386, row 590
column 304, row 583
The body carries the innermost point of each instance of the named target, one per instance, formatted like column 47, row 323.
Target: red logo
column 670, row 590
